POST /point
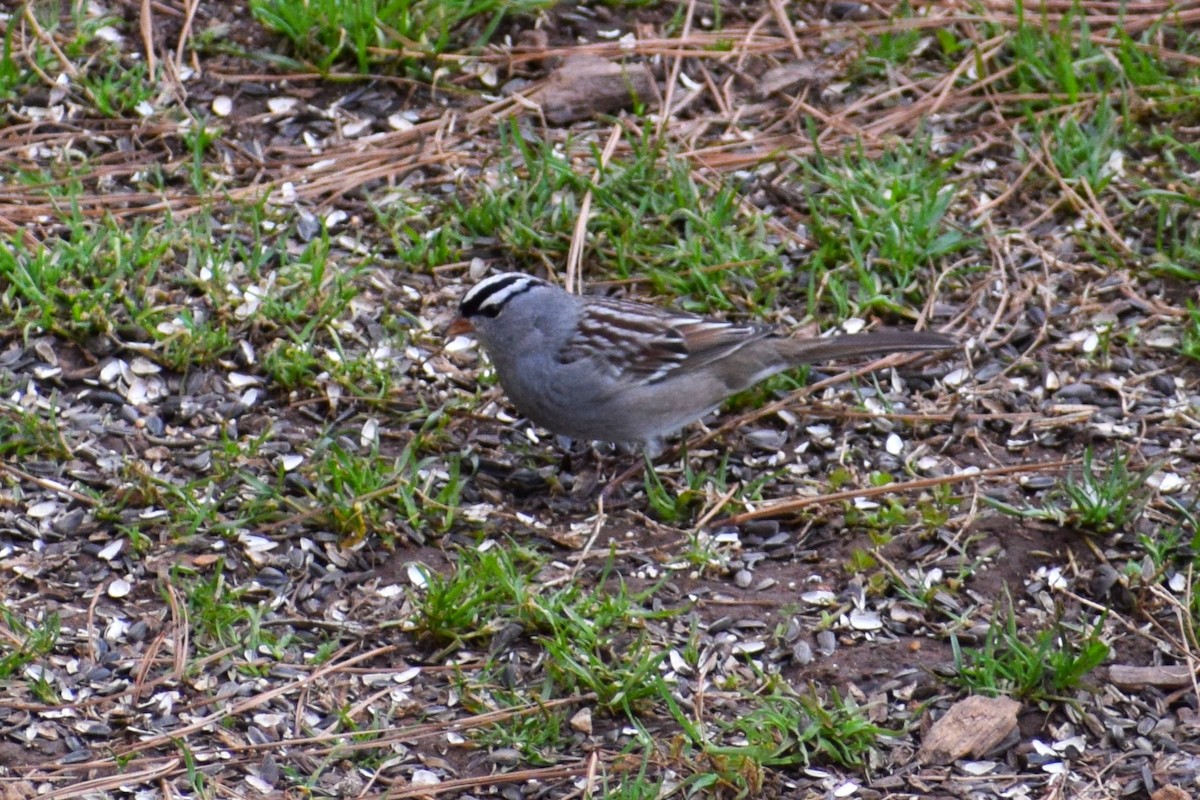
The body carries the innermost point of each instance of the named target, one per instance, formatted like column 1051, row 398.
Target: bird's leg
column 585, row 463
column 610, row 488
column 651, row 450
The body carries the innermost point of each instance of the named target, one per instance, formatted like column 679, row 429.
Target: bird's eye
column 473, row 308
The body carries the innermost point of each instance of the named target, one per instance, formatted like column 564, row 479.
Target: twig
column 579, row 236
column 795, row 504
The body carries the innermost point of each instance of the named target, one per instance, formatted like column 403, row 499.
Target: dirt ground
column 155, row 683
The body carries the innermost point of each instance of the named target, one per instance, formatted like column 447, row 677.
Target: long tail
column 807, row 351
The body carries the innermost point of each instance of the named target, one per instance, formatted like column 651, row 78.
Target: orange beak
column 459, row 326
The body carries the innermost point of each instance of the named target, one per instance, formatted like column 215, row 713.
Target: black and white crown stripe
column 487, row 297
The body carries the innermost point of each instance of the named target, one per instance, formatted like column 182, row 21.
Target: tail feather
column 808, row 351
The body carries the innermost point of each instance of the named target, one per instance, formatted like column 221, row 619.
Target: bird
column 599, row 368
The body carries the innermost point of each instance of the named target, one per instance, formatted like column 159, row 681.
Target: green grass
column 697, row 242
column 651, row 218
column 30, row 433
column 1167, row 205
column 331, row 487
column 1092, row 103
column 636, row 785
column 777, row 728
column 220, row 613
column 106, row 279
column 472, row 602
column 182, row 294
column 1083, row 150
column 1039, row 666
column 1056, row 59
column 537, row 737
column 102, row 77
column 23, row 643
column 1097, row 498
column 70, row 290
column 373, row 33
column 891, row 48
column 1191, row 332
column 594, row 640
column 15, row 78
column 675, row 500
column 879, row 225
column 118, row 90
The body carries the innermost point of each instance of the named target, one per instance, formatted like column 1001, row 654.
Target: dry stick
column 1184, row 642
column 48, row 40
column 834, row 122
column 186, row 32
column 99, row 700
column 989, row 50
column 598, row 526
column 146, row 23
column 718, row 99
column 1155, row 50
column 1129, row 23
column 1183, row 647
column 793, row 505
column 785, row 25
column 579, row 235
column 590, row 778
column 934, row 100
column 145, row 664
column 408, row 733
column 996, row 247
column 1133, row 628
column 690, row 45
column 1187, row 625
column 796, row 397
column 965, row 312
column 743, row 50
column 49, row 485
column 1097, row 210
column 673, row 77
column 98, row 785
column 1003, row 197
column 327, row 179
column 1147, row 7
column 179, row 622
column 181, row 647
column 251, row 702
column 520, row 776
column 716, row 507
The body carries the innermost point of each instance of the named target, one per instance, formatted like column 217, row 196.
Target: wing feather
column 652, row 344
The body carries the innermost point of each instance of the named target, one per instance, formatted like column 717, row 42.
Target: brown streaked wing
column 711, row 340
column 652, row 343
column 626, row 338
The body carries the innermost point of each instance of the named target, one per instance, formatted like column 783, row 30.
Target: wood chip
column 971, row 727
column 1127, row 677
column 585, row 86
column 1170, row 793
column 582, row 721
column 790, row 76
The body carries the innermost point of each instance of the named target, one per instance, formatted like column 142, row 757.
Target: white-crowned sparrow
column 599, row 368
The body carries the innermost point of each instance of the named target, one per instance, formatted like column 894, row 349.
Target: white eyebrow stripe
column 496, row 291
column 500, row 296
